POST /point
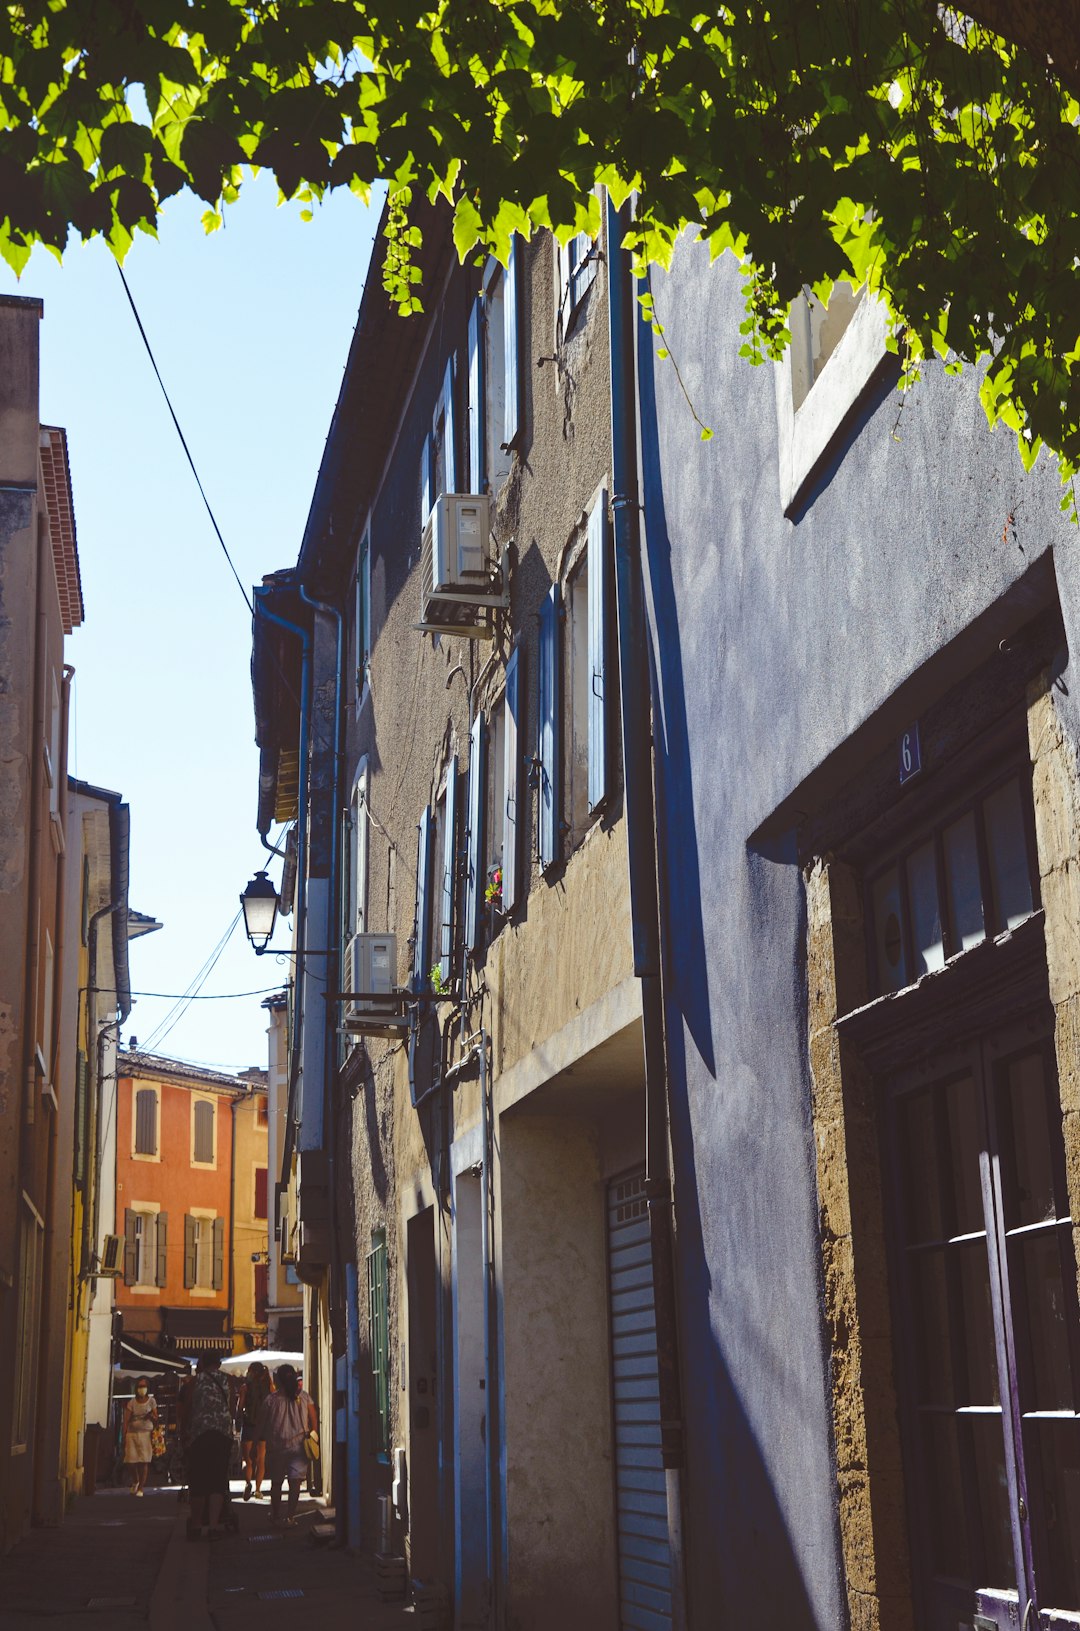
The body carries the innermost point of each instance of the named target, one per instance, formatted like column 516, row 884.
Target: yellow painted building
column 250, row 1202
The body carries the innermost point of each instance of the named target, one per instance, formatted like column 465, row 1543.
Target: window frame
column 379, row 1342
column 197, row 1099
column 362, row 619
column 138, row 1087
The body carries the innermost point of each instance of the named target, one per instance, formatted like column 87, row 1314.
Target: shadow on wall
column 741, row 1565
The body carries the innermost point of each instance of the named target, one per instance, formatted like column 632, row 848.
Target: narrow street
column 124, row 1564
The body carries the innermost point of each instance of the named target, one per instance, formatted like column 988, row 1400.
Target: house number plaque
column 910, row 754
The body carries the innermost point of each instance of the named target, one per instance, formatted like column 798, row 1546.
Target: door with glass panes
column 989, row 1334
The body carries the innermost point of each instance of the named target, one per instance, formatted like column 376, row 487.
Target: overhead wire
column 179, row 1008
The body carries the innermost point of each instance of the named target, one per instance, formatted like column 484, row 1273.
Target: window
column 48, row 998
column 575, row 273
column 262, row 1292
column 549, row 725
column 204, row 1251
column 988, row 1279
column 970, row 878
column 496, row 810
column 585, row 675
column 262, row 1111
column 493, row 385
column 422, row 916
column 438, row 465
column 260, row 1193
column 357, row 874
column 835, row 354
column 31, row 1247
column 379, row 1340
column 53, row 769
column 362, row 615
column 145, row 1118
column 203, row 1132
column 145, row 1246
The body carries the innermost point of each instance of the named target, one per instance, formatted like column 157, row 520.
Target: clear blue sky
column 251, row 327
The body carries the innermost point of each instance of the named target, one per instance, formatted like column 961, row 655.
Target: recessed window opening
column 438, row 897
column 972, row 877
column 816, row 331
column 496, row 787
column 498, row 459
column 145, row 1248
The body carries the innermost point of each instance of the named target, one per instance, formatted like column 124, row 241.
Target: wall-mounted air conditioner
column 461, row 569
column 111, row 1261
column 372, row 971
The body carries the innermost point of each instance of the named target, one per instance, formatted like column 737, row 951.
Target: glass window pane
column 972, row 1281
column 948, row 1529
column 1037, row 1284
column 933, row 1349
column 919, row 1155
column 963, row 886
column 926, row 939
column 1052, row 1460
column 1006, row 843
column 1025, row 1143
column 965, row 1146
column 888, row 938
column 992, row 1492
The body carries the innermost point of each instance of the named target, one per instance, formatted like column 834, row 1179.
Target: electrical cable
column 202, row 996
column 176, row 1013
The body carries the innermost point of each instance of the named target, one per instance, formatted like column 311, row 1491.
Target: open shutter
column 131, row 1249
column 599, row 603
column 564, row 271
column 474, row 866
column 189, row 1249
column 422, row 943
column 477, row 427
column 548, row 728
column 425, row 483
column 162, row 1243
column 449, row 869
column 511, row 815
column 219, row 1253
column 449, row 437
column 511, row 403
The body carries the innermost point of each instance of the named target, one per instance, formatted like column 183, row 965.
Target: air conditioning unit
column 372, row 969
column 111, row 1261
column 460, row 569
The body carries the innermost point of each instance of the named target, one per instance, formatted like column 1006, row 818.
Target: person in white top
column 140, row 1419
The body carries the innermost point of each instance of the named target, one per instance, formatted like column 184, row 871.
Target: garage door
column 640, row 1495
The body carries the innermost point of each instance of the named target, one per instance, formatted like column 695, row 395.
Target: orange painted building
column 175, row 1202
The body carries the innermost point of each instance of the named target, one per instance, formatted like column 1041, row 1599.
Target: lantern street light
column 260, row 903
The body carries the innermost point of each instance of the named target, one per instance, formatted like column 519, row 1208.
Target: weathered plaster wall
column 776, row 641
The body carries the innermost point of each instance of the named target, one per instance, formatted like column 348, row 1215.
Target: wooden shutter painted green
column 422, row 928
column 512, row 382
column 190, row 1238
column 548, row 723
column 219, row 1253
column 161, row 1252
column 449, row 431
column 379, row 1343
column 475, row 882
column 512, row 778
column 449, row 873
column 477, row 406
column 131, row 1248
column 81, row 1109
column 599, row 620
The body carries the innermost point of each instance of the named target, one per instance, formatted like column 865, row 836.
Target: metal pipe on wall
column 636, row 688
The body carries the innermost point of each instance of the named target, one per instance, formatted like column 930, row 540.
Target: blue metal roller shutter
column 640, row 1489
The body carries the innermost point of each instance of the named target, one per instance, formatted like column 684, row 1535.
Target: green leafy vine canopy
column 930, row 153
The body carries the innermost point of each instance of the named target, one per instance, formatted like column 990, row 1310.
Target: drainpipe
column 260, row 601
column 638, row 777
column 231, row 1271
column 333, row 984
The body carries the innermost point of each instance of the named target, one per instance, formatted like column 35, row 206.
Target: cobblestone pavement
column 121, row 1564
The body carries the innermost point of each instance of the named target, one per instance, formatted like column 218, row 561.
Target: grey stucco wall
column 777, row 641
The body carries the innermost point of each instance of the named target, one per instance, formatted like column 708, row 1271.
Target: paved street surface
column 121, row 1564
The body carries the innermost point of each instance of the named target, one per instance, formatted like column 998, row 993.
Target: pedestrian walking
column 209, row 1446
column 140, row 1419
column 288, row 1426
column 256, row 1387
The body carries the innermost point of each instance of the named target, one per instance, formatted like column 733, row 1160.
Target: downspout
column 231, row 1300
column 635, row 684
column 333, row 984
column 260, row 598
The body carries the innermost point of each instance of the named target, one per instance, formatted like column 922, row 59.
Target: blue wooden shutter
column 477, row 426
column 425, row 483
column 511, row 406
column 449, row 438
column 548, row 728
column 599, row 602
column 422, row 944
column 449, row 870
column 474, row 874
column 511, row 815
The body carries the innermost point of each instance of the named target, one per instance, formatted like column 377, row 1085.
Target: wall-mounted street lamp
column 260, row 903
